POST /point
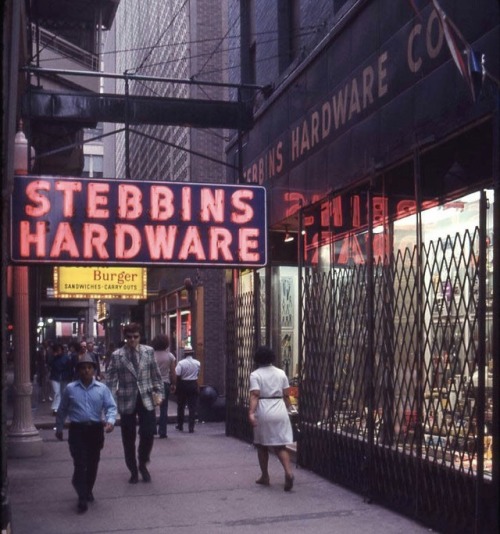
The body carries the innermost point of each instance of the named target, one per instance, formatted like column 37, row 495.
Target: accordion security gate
column 379, row 416
column 242, row 339
column 393, row 403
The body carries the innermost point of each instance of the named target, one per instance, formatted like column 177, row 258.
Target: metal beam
column 88, row 108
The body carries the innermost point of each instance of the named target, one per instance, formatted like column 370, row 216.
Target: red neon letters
column 63, row 220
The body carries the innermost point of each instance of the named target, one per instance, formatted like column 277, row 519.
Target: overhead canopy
column 89, row 108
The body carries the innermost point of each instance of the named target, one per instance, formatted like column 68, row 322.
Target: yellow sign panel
column 100, row 282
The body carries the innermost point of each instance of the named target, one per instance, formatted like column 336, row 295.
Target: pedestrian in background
column 187, row 371
column 60, row 368
column 166, row 363
column 43, row 353
column 134, row 378
column 91, row 349
column 74, row 351
column 107, row 356
column 84, row 401
column 268, row 414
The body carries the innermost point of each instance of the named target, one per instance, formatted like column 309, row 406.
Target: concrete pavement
column 202, row 483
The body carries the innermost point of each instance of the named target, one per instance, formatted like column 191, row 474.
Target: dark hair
column 132, row 328
column 264, row 356
column 160, row 342
column 74, row 346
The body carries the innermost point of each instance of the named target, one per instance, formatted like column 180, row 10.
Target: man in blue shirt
column 84, row 401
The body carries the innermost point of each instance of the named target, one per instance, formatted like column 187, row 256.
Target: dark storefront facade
column 383, row 162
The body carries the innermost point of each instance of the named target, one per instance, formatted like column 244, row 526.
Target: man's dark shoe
column 144, row 473
column 90, row 497
column 179, row 428
column 163, row 436
column 191, row 430
column 134, row 478
column 82, row 506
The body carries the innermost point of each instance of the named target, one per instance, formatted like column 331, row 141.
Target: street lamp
column 23, row 439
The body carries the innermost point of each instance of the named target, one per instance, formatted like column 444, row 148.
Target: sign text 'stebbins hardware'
column 87, row 221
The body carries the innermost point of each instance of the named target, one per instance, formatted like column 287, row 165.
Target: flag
column 467, row 61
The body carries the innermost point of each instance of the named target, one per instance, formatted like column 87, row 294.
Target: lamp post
column 23, row 439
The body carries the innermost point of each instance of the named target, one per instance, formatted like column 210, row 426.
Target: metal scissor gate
column 396, row 396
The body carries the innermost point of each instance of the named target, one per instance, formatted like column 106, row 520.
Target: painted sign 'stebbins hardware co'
column 84, row 221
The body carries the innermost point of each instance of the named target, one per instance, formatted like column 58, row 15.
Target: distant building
column 180, row 41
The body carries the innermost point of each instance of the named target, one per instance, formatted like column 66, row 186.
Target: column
column 23, row 439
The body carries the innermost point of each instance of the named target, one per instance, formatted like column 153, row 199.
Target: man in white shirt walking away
column 187, row 371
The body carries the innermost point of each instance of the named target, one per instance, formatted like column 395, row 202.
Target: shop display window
column 416, row 309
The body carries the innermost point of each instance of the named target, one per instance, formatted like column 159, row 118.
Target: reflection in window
column 424, row 313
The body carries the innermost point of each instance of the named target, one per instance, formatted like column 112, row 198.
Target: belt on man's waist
column 85, row 423
column 270, row 398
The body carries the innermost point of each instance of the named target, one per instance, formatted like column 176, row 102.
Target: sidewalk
column 202, row 483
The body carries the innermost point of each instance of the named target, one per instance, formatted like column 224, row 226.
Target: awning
column 88, row 108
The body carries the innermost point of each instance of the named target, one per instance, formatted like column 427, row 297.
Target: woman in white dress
column 268, row 414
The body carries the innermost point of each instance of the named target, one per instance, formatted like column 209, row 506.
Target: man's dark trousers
column 147, row 427
column 187, row 393
column 85, row 443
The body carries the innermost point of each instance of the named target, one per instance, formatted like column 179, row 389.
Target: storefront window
column 170, row 315
column 172, row 331
column 391, row 336
column 452, row 241
column 284, row 319
column 186, row 341
column 156, row 317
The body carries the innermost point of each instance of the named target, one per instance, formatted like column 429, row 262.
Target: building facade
column 175, row 41
column 63, row 39
column 379, row 150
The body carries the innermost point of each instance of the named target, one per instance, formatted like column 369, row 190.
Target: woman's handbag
column 294, row 421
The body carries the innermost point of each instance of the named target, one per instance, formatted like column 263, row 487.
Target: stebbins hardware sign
column 87, row 221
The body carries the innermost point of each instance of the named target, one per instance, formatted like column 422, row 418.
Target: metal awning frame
column 137, row 132
column 127, row 78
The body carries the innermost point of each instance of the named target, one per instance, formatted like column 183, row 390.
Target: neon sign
column 86, row 221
